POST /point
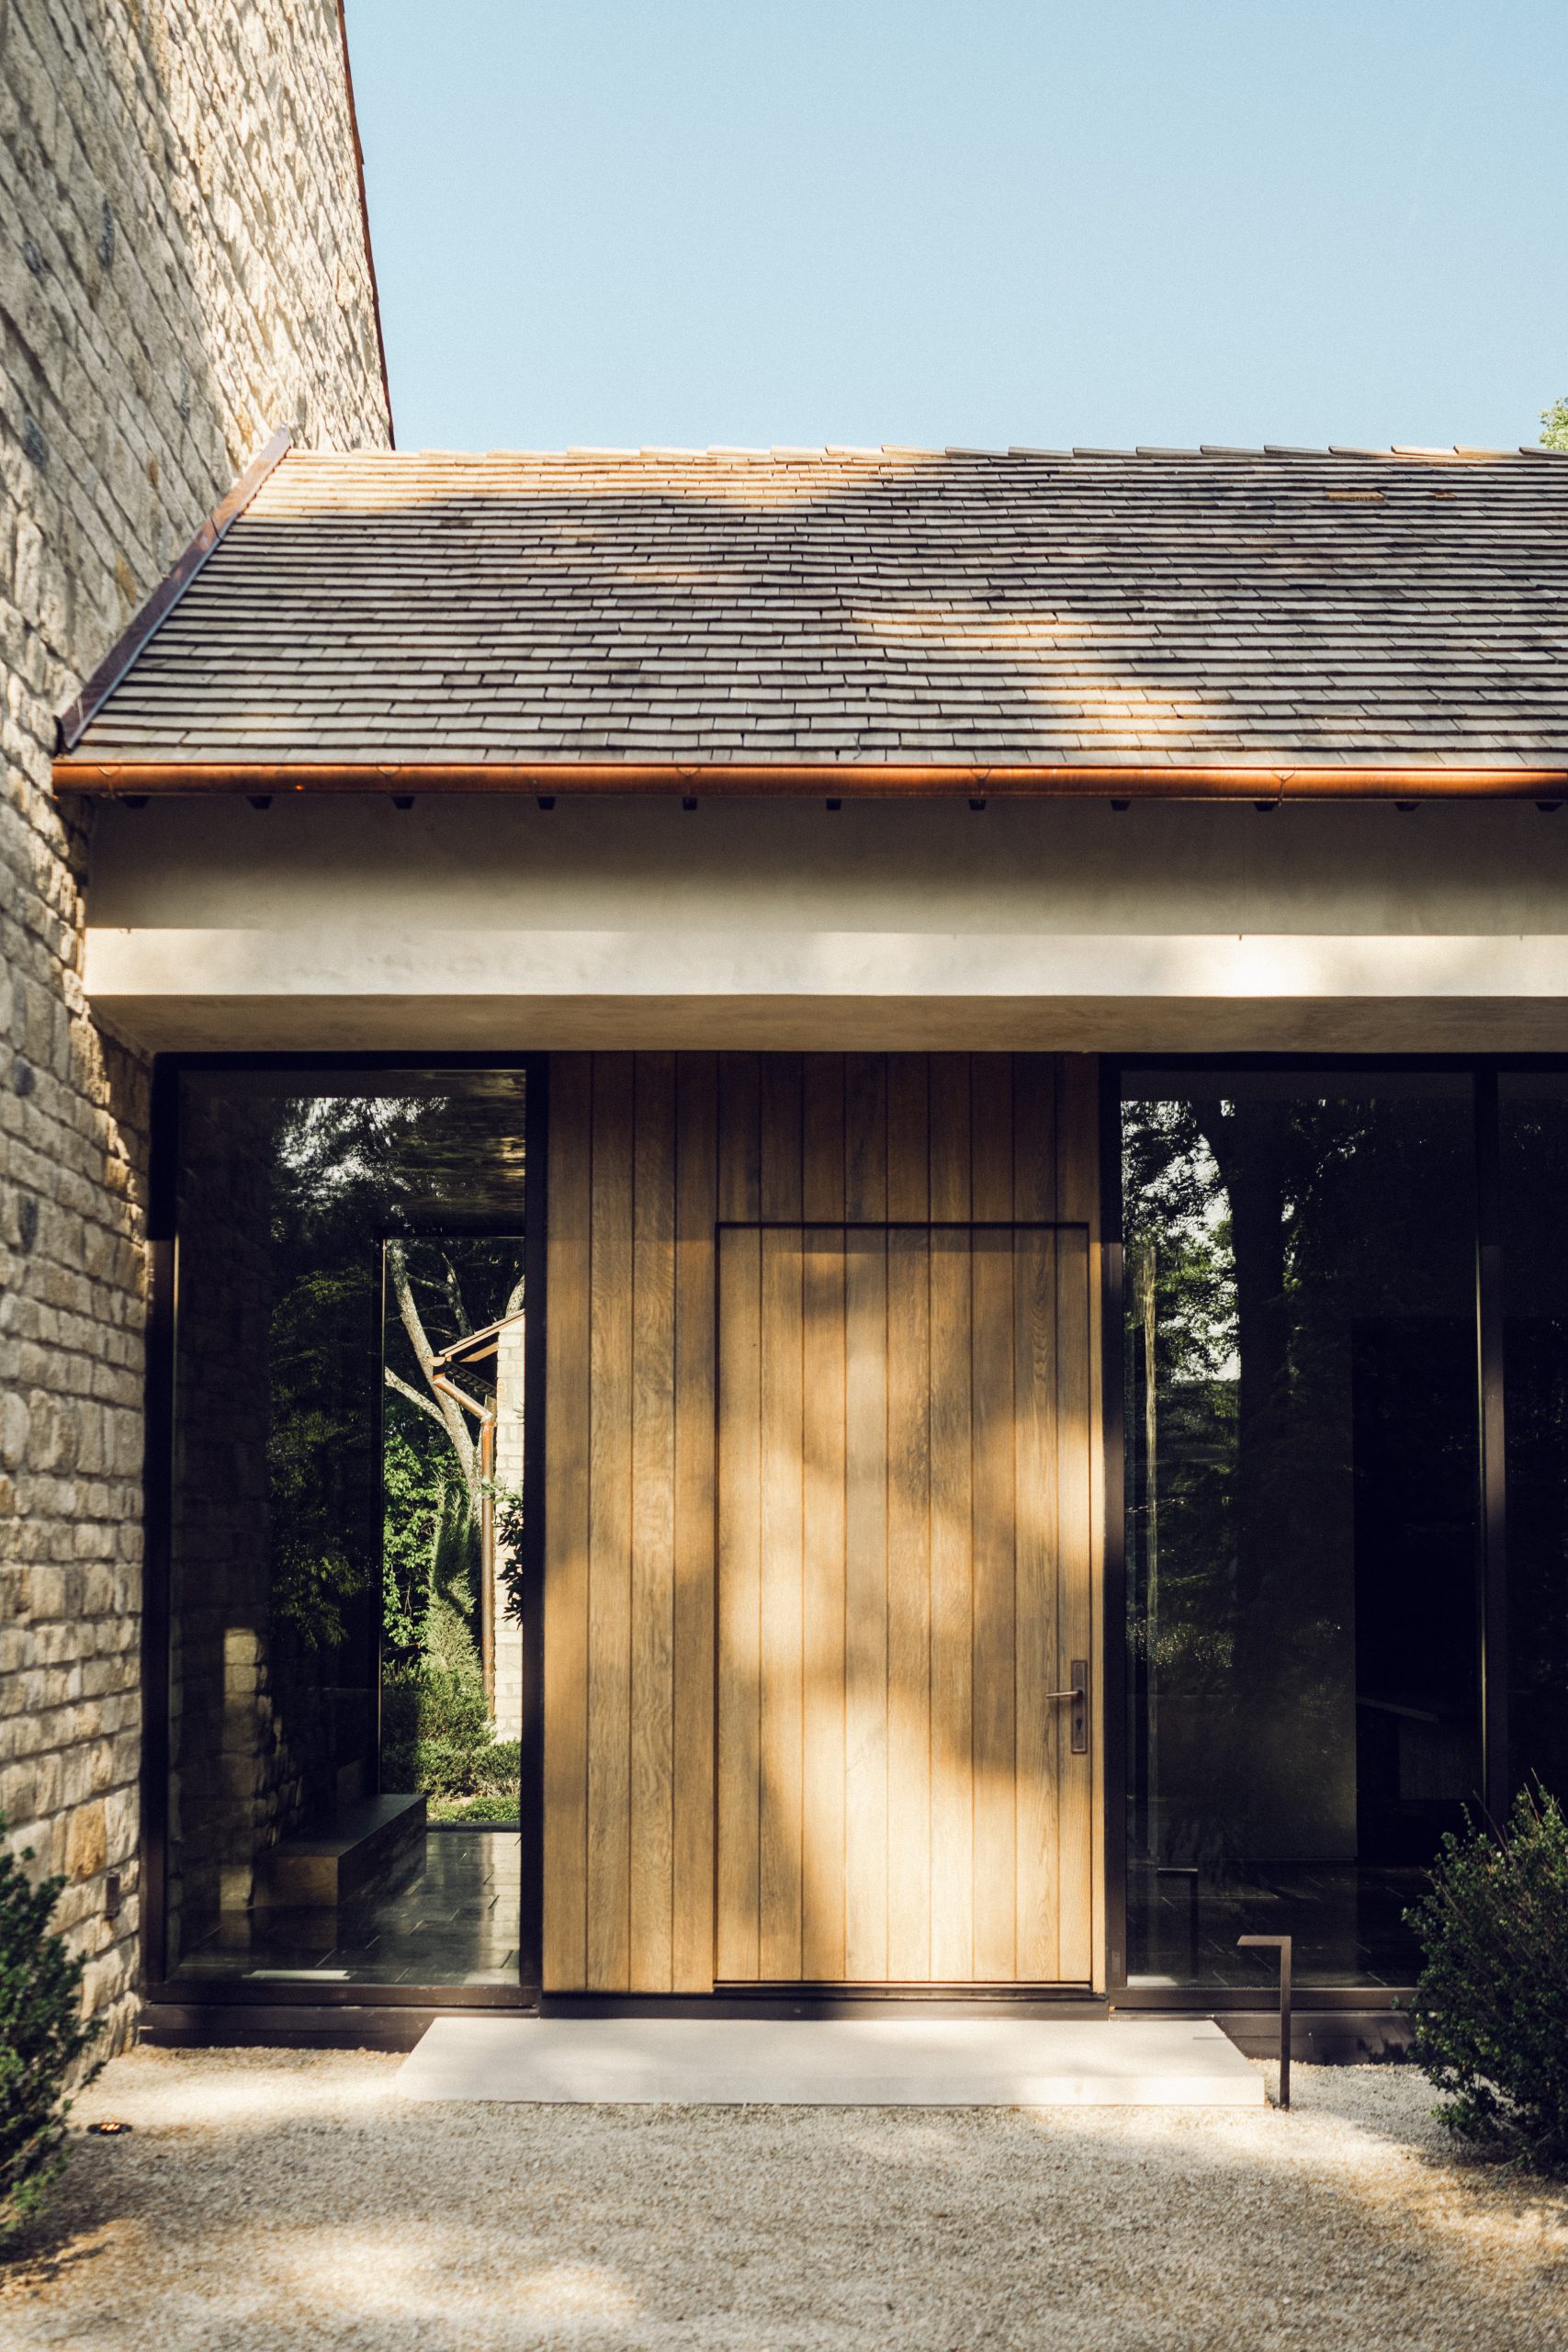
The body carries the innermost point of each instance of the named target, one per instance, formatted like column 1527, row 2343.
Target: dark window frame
column 185, row 1993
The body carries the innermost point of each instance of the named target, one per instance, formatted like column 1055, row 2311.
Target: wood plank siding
column 838, row 1354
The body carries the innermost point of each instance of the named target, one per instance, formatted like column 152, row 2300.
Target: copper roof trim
column 783, row 779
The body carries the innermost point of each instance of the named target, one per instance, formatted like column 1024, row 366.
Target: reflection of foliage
column 1179, row 1256
column 311, row 1587
column 495, row 1808
column 441, row 1291
column 436, row 1732
column 1535, row 1185
column 508, row 1547
column 319, row 1450
column 1296, row 1274
column 347, row 1170
column 1491, row 2009
column 429, row 1543
column 344, row 1169
column 320, row 1544
column 1177, row 1206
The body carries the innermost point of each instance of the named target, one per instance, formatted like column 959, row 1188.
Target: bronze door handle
column 1078, row 1691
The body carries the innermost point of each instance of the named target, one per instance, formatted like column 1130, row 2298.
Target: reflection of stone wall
column 182, row 269
column 231, row 1782
column 509, row 1377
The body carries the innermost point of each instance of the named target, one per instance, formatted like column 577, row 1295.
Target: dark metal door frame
column 214, row 1995
column 1484, row 1071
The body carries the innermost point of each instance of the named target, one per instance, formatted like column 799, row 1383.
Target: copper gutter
column 781, row 779
column 479, row 1345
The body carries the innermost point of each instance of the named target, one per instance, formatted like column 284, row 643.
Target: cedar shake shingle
column 1396, row 609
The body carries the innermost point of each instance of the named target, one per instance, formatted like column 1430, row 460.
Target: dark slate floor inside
column 454, row 1922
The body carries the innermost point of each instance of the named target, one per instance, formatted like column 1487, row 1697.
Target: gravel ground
column 268, row 2200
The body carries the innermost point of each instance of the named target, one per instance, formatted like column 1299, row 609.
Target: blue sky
column 1169, row 222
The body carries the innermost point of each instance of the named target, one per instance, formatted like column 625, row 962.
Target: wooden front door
column 903, row 1581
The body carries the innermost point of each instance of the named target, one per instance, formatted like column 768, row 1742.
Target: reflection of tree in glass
column 439, row 1291
column 322, row 1548
column 427, row 1539
column 374, row 1478
column 1275, row 1246
column 320, row 1458
column 1535, row 1185
column 347, row 1171
column 438, row 1731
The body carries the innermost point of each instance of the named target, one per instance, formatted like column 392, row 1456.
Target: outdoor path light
column 1282, row 1945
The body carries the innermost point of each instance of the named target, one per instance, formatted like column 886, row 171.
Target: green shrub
column 493, row 1811
column 41, row 2037
column 1491, row 2008
column 438, row 1700
column 452, row 1768
column 501, row 1765
column 431, row 1704
column 437, row 1731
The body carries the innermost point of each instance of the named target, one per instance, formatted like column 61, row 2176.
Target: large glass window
column 1302, row 1512
column 346, row 1641
column 1534, row 1154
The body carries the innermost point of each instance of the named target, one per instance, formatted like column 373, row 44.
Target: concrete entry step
column 917, row 2061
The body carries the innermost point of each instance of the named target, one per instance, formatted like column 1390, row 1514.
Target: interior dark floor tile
column 454, row 1923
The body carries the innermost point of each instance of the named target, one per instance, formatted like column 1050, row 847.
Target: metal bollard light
column 1282, row 1945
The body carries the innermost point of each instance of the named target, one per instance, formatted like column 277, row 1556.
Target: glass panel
column 345, row 1656
column 1535, row 1337
column 1302, row 1513
column 451, row 1524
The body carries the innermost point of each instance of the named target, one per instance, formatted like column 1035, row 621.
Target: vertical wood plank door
column 905, row 1582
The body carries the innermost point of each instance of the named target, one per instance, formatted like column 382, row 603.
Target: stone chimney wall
column 183, row 268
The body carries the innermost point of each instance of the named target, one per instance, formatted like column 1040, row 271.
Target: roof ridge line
column 580, row 453
column 73, row 722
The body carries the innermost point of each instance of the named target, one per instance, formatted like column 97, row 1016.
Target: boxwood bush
column 1491, row 2008
column 43, row 2039
column 437, row 1731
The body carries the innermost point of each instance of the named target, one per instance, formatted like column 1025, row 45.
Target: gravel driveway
column 268, row 2200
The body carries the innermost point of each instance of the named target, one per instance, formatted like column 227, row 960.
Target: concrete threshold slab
column 917, row 2061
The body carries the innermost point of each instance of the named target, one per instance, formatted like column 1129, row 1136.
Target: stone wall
column 183, row 268
column 230, row 1777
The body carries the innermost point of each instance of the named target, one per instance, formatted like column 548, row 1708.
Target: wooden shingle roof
column 1293, row 620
